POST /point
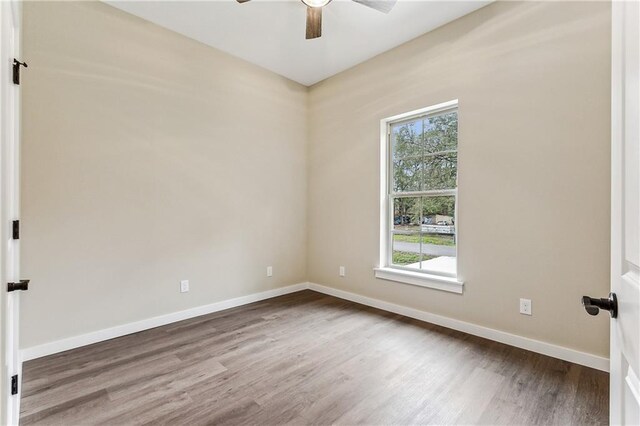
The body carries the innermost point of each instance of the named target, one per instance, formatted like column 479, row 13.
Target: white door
column 9, row 193
column 625, row 213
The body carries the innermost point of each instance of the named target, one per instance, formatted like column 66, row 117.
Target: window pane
column 440, row 171
column 407, row 140
column 406, row 250
column 438, row 234
column 441, row 133
column 424, row 155
column 407, row 214
column 407, row 219
column 407, row 175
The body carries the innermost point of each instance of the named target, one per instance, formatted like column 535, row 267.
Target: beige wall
column 150, row 158
column 532, row 80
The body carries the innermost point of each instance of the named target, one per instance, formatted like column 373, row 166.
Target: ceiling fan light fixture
column 314, row 13
column 316, row 3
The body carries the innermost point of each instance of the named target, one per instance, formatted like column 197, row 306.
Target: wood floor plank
column 139, row 369
column 175, row 378
column 308, row 358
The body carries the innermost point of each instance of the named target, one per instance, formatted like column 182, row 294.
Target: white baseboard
column 532, row 345
column 555, row 351
column 134, row 327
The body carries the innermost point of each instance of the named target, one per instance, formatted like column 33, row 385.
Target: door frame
column 10, row 21
column 617, row 61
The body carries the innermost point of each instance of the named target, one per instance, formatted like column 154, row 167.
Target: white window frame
column 386, row 270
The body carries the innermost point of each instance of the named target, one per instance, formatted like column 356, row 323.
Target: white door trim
column 10, row 18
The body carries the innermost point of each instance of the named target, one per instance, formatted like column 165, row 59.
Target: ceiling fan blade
column 314, row 22
column 242, row 1
column 383, row 6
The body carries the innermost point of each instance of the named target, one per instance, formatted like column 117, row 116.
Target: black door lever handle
column 21, row 285
column 593, row 306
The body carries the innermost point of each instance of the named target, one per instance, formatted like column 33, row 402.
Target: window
column 419, row 190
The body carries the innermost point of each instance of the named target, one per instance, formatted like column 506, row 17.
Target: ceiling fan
column 314, row 12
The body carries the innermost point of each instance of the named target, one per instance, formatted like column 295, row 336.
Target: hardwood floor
column 307, row 358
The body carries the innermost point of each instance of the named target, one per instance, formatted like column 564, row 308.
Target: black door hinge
column 16, row 70
column 20, row 285
column 14, row 384
column 16, row 229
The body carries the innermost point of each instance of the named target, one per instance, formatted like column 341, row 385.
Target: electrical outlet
column 184, row 286
column 269, row 271
column 525, row 306
column 342, row 271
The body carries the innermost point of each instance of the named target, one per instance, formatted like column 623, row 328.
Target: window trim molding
column 384, row 270
column 421, row 279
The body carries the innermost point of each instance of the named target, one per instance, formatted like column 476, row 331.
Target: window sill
column 420, row 279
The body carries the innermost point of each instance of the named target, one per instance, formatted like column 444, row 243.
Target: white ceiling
column 271, row 33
